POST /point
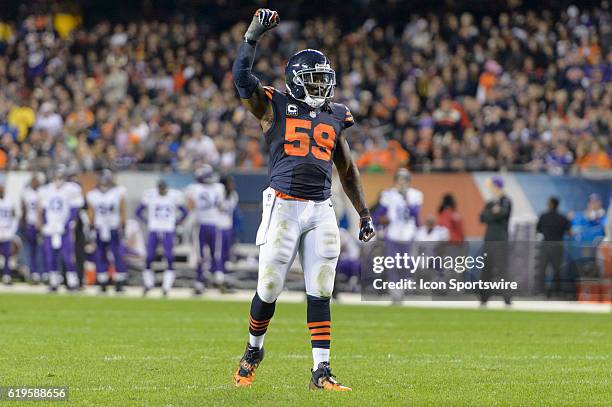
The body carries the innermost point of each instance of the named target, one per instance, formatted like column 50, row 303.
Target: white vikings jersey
column 400, row 209
column 436, row 234
column 56, row 202
column 106, row 207
column 29, row 198
column 8, row 219
column 161, row 209
column 206, row 199
column 77, row 200
column 226, row 211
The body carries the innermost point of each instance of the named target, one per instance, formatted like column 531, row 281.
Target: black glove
column 366, row 228
column 263, row 20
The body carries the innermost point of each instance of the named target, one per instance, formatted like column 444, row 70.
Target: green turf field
column 120, row 352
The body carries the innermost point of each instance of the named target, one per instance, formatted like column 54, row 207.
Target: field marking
column 299, row 297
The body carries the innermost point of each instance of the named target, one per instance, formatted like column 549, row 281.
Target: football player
column 107, row 213
column 58, row 207
column 29, row 204
column 161, row 205
column 225, row 229
column 399, row 209
column 204, row 197
column 8, row 230
column 306, row 133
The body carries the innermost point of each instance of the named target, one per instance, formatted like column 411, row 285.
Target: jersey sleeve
column 269, row 91
column 347, row 120
column 91, row 198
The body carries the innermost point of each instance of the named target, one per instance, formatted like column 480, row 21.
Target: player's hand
column 263, row 20
column 366, row 229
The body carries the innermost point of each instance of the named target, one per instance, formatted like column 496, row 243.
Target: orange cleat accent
column 323, row 379
column 245, row 373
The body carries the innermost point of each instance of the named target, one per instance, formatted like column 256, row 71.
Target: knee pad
column 270, row 283
column 321, row 282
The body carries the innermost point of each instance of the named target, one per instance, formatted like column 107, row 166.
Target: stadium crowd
column 437, row 92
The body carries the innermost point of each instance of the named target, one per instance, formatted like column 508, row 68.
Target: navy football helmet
column 310, row 78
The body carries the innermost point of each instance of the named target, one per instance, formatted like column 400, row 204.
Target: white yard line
column 345, row 298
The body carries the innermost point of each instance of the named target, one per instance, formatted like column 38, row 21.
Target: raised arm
column 351, row 183
column 252, row 94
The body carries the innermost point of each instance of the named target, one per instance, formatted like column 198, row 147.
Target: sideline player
column 29, row 204
column 204, row 197
column 8, row 230
column 57, row 211
column 305, row 132
column 399, row 209
column 107, row 214
column 161, row 205
column 225, row 231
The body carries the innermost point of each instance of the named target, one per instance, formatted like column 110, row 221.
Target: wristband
column 365, row 213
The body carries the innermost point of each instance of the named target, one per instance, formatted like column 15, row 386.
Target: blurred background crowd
column 528, row 89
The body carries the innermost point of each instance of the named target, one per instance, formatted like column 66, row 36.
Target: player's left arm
column 351, row 183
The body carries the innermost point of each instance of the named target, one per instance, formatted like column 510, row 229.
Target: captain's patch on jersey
column 292, row 110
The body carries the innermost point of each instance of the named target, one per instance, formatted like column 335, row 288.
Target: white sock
column 120, row 277
column 148, row 279
column 199, row 285
column 72, row 279
column 319, row 355
column 54, row 279
column 219, row 277
column 103, row 278
column 256, row 341
column 168, row 280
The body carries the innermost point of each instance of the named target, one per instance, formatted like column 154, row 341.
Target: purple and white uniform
column 225, row 230
column 29, row 198
column 161, row 222
column 8, row 230
column 60, row 203
column 206, row 199
column 106, row 205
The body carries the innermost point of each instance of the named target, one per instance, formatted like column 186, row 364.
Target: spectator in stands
column 553, row 226
column 530, row 89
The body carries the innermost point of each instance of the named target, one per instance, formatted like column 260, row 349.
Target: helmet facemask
column 318, row 84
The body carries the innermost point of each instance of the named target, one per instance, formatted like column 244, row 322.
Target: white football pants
column 289, row 227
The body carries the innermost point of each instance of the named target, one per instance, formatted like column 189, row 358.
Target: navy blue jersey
column 302, row 142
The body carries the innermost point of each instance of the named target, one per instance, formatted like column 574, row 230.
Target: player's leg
column 120, row 268
column 32, row 243
column 223, row 245
column 148, row 278
column 50, row 259
column 276, row 254
column 68, row 255
column 5, row 249
column 101, row 262
column 216, row 257
column 319, row 251
column 199, row 280
column 169, row 274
